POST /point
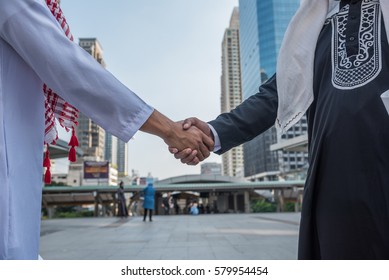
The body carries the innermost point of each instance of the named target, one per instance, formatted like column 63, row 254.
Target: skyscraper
column 116, row 152
column 262, row 27
column 111, row 147
column 231, row 91
column 91, row 137
column 122, row 158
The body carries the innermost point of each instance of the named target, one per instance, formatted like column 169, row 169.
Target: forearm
column 159, row 125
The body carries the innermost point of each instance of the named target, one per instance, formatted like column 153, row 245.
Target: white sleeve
column 216, row 139
column 70, row 71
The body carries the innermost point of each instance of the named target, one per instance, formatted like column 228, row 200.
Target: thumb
column 188, row 123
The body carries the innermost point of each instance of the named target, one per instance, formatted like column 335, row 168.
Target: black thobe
column 345, row 213
column 346, row 206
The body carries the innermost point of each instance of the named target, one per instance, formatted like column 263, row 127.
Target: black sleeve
column 251, row 118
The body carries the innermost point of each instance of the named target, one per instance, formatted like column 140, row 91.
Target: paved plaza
column 270, row 236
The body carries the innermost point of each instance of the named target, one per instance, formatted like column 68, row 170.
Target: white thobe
column 33, row 49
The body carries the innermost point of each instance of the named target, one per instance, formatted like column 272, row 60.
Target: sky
column 169, row 53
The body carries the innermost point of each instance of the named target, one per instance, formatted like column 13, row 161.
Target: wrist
column 169, row 132
column 159, row 125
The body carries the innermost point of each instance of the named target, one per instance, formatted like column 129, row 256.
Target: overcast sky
column 166, row 51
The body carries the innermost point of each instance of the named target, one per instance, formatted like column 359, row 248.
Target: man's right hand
column 188, row 156
column 175, row 136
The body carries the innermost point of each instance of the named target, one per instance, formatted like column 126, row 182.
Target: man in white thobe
column 33, row 50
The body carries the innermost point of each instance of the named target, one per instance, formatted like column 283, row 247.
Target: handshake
column 190, row 140
column 200, row 142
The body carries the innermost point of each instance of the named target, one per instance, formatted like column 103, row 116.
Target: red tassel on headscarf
column 55, row 106
column 48, row 176
column 72, row 154
column 73, row 143
column 47, row 164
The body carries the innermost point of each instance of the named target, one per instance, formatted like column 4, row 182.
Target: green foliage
column 54, row 183
column 78, row 214
column 259, row 206
column 72, row 212
column 289, row 206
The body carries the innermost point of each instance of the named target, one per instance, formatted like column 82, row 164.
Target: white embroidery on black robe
column 356, row 70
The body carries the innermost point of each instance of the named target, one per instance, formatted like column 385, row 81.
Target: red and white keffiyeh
column 56, row 107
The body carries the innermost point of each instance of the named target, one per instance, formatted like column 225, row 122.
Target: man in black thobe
column 345, row 212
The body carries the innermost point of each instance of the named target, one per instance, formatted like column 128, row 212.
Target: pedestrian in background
column 148, row 203
column 194, row 209
column 121, row 198
column 168, row 204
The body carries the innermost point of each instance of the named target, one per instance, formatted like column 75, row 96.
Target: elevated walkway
column 239, row 193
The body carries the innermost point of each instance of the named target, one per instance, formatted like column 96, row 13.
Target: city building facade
column 122, row 158
column 211, row 168
column 91, row 173
column 91, row 137
column 262, row 27
column 116, row 152
column 111, row 147
column 101, row 150
column 231, row 90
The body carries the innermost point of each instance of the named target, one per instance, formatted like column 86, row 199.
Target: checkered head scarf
column 56, row 107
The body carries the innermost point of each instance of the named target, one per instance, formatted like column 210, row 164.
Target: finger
column 173, row 150
column 183, row 154
column 188, row 123
column 200, row 153
column 195, row 161
column 204, row 151
column 208, row 142
column 189, row 158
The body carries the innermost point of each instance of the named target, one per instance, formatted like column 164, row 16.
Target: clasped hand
column 196, row 141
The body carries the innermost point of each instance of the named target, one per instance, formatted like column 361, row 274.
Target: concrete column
column 96, row 209
column 246, row 202
column 300, row 200
column 280, row 201
column 97, row 200
column 50, row 212
column 235, row 195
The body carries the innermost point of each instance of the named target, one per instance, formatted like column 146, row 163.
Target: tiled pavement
column 270, row 236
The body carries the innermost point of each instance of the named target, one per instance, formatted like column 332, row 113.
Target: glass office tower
column 262, row 26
